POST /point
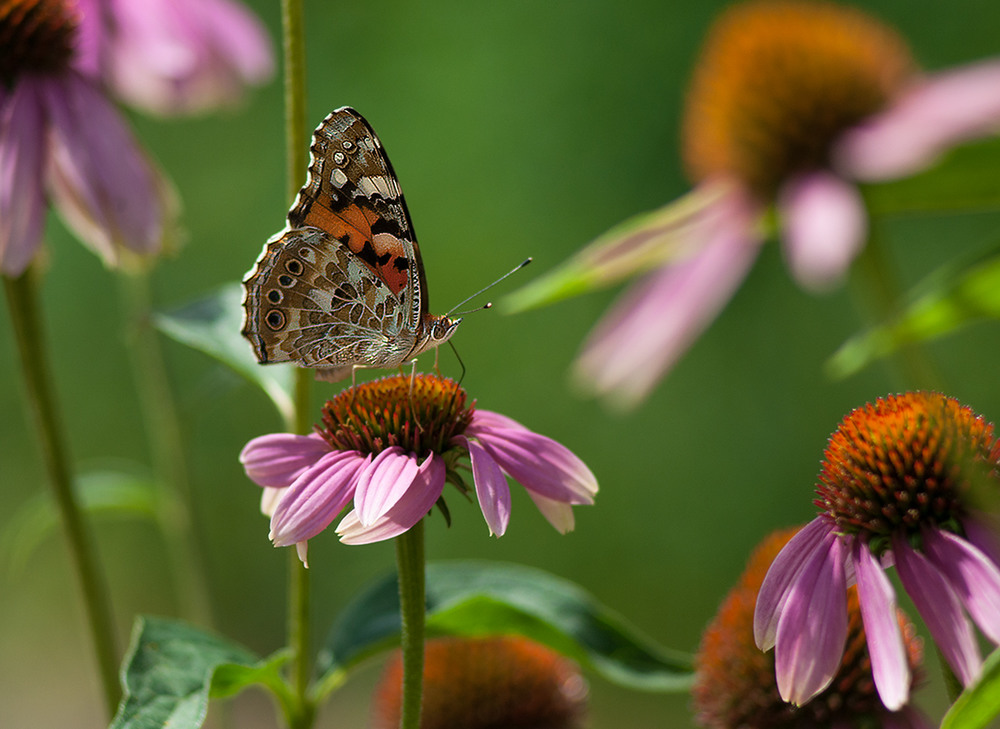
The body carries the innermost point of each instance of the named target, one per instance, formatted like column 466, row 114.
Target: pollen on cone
column 487, row 683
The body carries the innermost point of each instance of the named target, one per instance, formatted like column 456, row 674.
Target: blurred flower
column 900, row 484
column 60, row 137
column 390, row 445
column 485, row 683
column 173, row 57
column 790, row 104
column 735, row 682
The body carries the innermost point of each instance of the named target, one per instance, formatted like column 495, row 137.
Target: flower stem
column 174, row 513
column 22, row 301
column 410, row 566
column 296, row 155
column 882, row 295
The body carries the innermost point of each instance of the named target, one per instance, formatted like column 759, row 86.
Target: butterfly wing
column 353, row 194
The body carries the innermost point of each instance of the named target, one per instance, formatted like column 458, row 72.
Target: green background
column 517, row 129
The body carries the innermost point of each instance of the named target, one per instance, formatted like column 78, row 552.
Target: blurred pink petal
column 877, row 599
column 658, row 319
column 406, row 512
column 277, row 459
column 101, row 181
column 824, row 225
column 183, row 56
column 938, row 112
column 975, row 577
column 557, row 513
column 22, row 193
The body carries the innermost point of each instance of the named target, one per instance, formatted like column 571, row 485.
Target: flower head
column 900, row 484
column 482, row 683
column 62, row 139
column 735, row 682
column 389, row 446
column 791, row 103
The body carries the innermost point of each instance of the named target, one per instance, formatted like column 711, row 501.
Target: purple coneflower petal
column 982, row 537
column 491, row 486
column 974, row 576
column 652, row 325
column 412, row 507
column 782, row 576
column 941, row 610
column 383, row 483
column 824, row 225
column 557, row 513
column 812, row 629
column 22, row 192
column 269, row 498
column 890, row 665
column 538, row 463
column 937, row 113
column 102, row 183
column 907, row 718
column 316, row 497
column 276, row 460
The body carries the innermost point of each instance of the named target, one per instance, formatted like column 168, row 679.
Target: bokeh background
column 518, row 129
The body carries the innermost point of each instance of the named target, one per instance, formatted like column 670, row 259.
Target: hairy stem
column 410, row 566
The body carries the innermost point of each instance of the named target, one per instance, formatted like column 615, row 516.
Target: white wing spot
column 338, row 178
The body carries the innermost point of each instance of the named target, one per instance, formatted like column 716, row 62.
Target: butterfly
column 343, row 285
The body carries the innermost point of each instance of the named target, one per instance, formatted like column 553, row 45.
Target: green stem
column 184, row 545
column 22, row 301
column 410, row 566
column 879, row 288
column 296, row 153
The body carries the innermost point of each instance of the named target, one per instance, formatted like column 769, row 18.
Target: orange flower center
column 777, row 83
column 36, row 36
column 905, row 462
column 420, row 414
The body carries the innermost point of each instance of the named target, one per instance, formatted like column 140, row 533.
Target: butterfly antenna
column 511, row 272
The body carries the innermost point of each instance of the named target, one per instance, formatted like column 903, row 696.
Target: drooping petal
column 558, row 513
column 941, row 610
column 269, row 498
column 535, row 461
column 823, row 227
column 782, row 575
column 22, row 163
column 383, row 483
column 411, row 508
column 101, row 181
column 890, row 665
column 277, row 459
column 813, row 626
column 937, row 113
column 651, row 326
column 491, row 486
column 975, row 577
column 174, row 57
column 984, row 538
column 316, row 497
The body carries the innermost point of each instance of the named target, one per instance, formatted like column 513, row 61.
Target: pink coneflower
column 487, row 683
column 389, row 446
column 791, row 103
column 62, row 139
column 174, row 57
column 900, row 484
column 735, row 682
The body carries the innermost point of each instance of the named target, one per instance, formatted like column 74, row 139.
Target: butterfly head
column 440, row 329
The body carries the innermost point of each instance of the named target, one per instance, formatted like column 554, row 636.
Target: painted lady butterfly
column 343, row 286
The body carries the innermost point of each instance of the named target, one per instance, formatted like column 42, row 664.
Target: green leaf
column 173, row 668
column 488, row 598
column 100, row 493
column 212, row 325
column 979, row 705
column 966, row 180
column 636, row 245
column 953, row 297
